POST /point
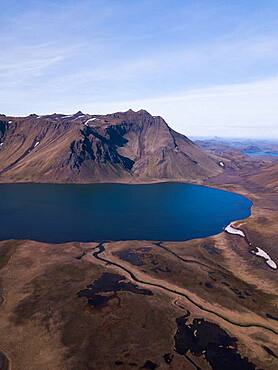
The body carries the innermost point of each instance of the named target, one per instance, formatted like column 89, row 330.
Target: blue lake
column 165, row 211
column 260, row 153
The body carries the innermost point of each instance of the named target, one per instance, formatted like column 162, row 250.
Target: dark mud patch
column 208, row 285
column 149, row 365
column 124, row 364
column 208, row 339
column 211, row 249
column 97, row 300
column 263, row 220
column 96, row 293
column 155, row 265
column 168, row 358
column 4, row 362
column 269, row 351
column 269, row 316
column 119, row 363
column 238, row 287
column 140, row 257
column 130, row 256
column 158, row 269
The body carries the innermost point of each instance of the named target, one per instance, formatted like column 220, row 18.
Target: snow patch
column 37, row 143
column 89, row 120
column 10, row 121
column 72, row 115
column 231, row 230
column 222, row 164
column 1, row 144
column 261, row 253
column 82, row 115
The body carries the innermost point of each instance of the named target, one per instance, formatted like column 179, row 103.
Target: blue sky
column 208, row 67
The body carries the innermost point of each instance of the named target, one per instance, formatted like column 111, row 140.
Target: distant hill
column 80, row 148
column 267, row 177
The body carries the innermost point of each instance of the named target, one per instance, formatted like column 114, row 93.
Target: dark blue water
column 167, row 211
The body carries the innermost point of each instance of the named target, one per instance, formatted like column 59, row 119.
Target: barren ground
column 201, row 304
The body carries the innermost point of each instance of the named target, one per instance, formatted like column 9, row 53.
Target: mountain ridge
column 83, row 148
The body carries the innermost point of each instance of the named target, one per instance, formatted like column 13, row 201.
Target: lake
column 263, row 153
column 165, row 211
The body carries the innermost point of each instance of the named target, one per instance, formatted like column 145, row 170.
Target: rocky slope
column 128, row 147
column 267, row 177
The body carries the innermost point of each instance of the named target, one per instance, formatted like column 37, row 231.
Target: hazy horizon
column 208, row 68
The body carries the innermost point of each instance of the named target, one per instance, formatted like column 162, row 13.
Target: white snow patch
column 89, row 120
column 82, row 115
column 222, row 164
column 261, row 253
column 1, row 144
column 10, row 122
column 231, row 230
column 72, row 115
column 37, row 143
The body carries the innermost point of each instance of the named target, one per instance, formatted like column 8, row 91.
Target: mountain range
column 81, row 148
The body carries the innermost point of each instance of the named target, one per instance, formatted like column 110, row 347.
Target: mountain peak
column 79, row 113
column 123, row 146
column 143, row 111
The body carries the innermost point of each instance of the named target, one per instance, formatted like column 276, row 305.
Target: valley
column 206, row 303
column 138, row 185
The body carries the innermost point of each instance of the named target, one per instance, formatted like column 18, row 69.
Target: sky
column 209, row 67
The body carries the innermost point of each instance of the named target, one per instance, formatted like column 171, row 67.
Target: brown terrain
column 267, row 178
column 125, row 147
column 206, row 303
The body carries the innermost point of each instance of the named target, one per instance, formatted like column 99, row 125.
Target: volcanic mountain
column 120, row 147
